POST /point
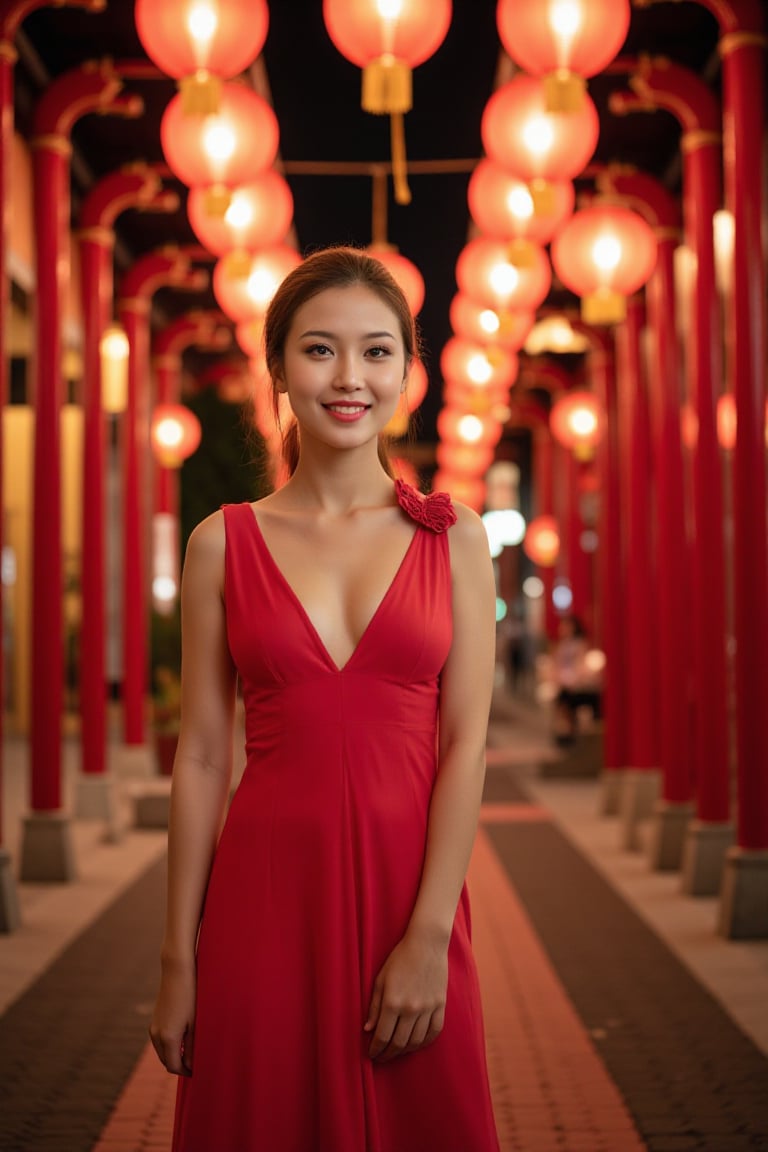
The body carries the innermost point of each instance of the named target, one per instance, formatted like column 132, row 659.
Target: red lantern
column 479, row 401
column 219, row 152
column 478, row 365
column 250, row 336
column 459, row 427
column 416, row 385
column 542, row 541
column 475, row 321
column 259, row 214
column 403, row 271
column 247, row 297
column 604, row 254
column 538, row 146
column 175, row 434
column 484, row 272
column 464, row 459
column 563, row 41
column 202, row 42
column 577, row 421
column 502, row 207
column 387, row 39
column 468, row 490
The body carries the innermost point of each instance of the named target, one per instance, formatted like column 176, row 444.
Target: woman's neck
column 337, row 483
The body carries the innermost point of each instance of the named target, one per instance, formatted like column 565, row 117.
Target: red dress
column 317, row 871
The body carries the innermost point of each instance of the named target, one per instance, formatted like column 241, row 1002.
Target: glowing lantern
column 222, row 151
column 477, row 365
column 542, row 541
column 403, row 271
column 175, row 434
column 604, row 254
column 250, row 336
column 458, row 427
column 563, row 41
column 479, row 401
column 502, row 207
column 469, row 490
column 247, row 297
column 259, row 214
column 577, row 421
column 387, row 39
column 201, row 42
column 464, row 459
column 484, row 272
column 474, row 321
column 114, row 351
column 538, row 146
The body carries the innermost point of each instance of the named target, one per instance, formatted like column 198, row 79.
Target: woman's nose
column 348, row 377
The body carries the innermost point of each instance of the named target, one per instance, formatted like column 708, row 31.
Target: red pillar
column 148, row 274
column 543, row 485
column 7, row 59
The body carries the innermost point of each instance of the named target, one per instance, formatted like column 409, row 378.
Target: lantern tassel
column 399, row 161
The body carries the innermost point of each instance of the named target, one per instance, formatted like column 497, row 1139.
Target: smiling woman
column 332, row 962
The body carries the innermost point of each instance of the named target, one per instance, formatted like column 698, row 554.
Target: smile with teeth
column 347, row 411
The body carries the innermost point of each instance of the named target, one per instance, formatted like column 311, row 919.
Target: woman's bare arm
column 201, row 780
column 408, row 1003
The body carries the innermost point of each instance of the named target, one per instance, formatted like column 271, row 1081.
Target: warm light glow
column 504, row 278
column 533, row 587
column 520, row 202
column 538, row 135
column 489, row 321
column 114, row 343
column 240, row 212
column 606, row 252
column 565, row 18
column 202, row 22
column 479, row 369
column 389, row 9
column 164, row 588
column 169, row 433
column 114, row 351
column 262, row 286
column 723, row 227
column 554, row 334
column 470, row 429
column 583, row 421
column 504, row 527
column 594, row 660
column 219, row 141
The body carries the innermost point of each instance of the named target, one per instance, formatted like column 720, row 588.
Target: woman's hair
column 340, row 267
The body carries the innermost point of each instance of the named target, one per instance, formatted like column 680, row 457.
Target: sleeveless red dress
column 317, row 871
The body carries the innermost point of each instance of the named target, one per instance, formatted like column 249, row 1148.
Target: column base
column 704, row 856
column 152, row 805
column 10, row 917
column 744, row 895
column 47, row 853
column 639, row 795
column 611, row 787
column 667, row 840
column 95, row 797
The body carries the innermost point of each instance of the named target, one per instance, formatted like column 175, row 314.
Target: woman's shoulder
column 207, row 539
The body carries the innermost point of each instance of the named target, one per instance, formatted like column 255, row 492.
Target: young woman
column 318, row 989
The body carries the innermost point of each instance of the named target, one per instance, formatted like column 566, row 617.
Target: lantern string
column 399, row 161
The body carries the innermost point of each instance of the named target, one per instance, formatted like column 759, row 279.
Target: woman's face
column 343, row 366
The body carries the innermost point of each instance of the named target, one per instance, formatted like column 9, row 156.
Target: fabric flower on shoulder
column 434, row 511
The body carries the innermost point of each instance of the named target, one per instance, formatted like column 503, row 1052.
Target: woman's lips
column 347, row 413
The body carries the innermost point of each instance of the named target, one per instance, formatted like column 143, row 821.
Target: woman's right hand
column 173, row 1021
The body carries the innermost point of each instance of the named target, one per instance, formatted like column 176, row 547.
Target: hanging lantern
column 403, row 271
column 259, row 214
column 475, row 321
column 416, row 385
column 201, row 42
column 469, row 490
column 458, row 427
column 604, row 254
column 542, row 541
column 174, row 433
column 464, row 459
column 563, row 41
column 502, row 207
column 538, row 146
column 247, row 297
column 483, row 272
column 477, row 365
column 222, row 151
column 577, row 421
column 387, row 39
column 114, row 351
column 492, row 401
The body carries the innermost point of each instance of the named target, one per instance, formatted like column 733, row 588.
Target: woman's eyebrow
column 332, row 335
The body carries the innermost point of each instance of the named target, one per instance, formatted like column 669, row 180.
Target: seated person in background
column 577, row 685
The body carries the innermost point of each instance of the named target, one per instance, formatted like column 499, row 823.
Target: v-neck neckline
column 305, row 615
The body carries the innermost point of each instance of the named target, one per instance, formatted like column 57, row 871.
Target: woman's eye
column 318, row 349
column 378, row 352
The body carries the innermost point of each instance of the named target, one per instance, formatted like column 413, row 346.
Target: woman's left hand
column 407, row 1009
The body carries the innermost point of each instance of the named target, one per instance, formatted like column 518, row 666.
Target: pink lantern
column 477, row 322
column 175, row 434
column 542, row 541
column 480, row 366
column 485, row 273
column 577, row 421
column 503, row 208
column 247, row 297
column 259, row 214
column 459, row 427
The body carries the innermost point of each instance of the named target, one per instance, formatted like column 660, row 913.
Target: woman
column 318, row 991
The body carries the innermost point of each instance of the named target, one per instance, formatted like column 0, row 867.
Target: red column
column 7, row 58
column 543, row 484
column 148, row 274
column 577, row 557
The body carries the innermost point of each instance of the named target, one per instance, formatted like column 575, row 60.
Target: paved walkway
column 616, row 1019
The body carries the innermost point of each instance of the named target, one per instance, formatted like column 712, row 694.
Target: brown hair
column 340, row 267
